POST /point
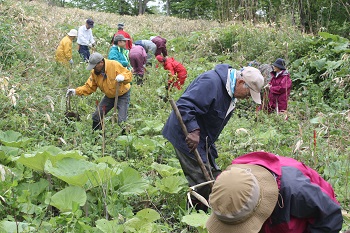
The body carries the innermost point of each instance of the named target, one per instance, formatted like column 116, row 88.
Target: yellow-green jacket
column 64, row 50
column 107, row 82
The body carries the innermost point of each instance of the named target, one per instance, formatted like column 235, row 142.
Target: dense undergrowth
column 58, row 176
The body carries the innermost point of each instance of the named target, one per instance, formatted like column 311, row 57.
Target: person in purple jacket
column 160, row 42
column 279, row 87
column 266, row 193
column 138, row 58
column 206, row 106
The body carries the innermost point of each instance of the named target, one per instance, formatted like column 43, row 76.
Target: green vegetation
column 58, row 176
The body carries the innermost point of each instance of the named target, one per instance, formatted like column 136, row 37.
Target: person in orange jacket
column 177, row 72
column 64, row 49
column 105, row 74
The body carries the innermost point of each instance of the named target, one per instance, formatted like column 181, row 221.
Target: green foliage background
column 133, row 183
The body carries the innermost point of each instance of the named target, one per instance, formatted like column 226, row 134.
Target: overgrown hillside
column 58, row 176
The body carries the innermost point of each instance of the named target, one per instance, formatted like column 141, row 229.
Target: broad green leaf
column 143, row 222
column 144, row 145
column 316, row 120
column 14, row 139
column 165, row 170
column 332, row 65
column 148, row 215
column 171, row 184
column 101, row 174
column 38, row 159
column 107, row 159
column 319, row 64
column 11, row 227
column 327, row 35
column 131, row 182
column 7, row 154
column 35, row 189
column 196, row 219
column 27, row 208
column 109, row 226
column 70, row 170
column 124, row 140
column 63, row 200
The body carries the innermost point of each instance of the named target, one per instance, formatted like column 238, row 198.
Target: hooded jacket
column 64, row 50
column 306, row 203
column 279, row 90
column 175, row 68
column 204, row 105
column 120, row 55
column 161, row 46
column 106, row 82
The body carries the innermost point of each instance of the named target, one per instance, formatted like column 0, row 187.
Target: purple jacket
column 161, row 46
column 307, row 202
column 279, row 91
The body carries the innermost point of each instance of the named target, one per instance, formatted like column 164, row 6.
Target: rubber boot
column 139, row 79
column 96, row 125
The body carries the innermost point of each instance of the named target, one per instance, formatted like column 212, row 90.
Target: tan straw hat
column 243, row 197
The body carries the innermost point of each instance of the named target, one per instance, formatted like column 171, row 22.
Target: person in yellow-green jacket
column 64, row 49
column 105, row 74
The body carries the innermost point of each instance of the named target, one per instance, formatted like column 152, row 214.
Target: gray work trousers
column 122, row 106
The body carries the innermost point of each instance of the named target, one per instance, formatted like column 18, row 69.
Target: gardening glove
column 71, row 61
column 120, row 78
column 70, row 92
column 90, row 45
column 192, row 139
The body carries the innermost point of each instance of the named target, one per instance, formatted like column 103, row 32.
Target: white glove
column 71, row 61
column 70, row 92
column 120, row 78
column 90, row 45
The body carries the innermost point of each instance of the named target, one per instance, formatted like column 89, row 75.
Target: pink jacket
column 279, row 91
column 309, row 203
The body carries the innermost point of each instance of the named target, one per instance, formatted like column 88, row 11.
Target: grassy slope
column 41, row 88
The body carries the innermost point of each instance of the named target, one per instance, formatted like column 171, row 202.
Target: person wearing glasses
column 206, row 106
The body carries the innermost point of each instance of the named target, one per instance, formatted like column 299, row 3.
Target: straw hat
column 243, row 197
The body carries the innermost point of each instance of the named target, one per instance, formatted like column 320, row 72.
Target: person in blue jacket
column 206, row 106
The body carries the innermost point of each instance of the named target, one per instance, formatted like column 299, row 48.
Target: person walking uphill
column 177, row 72
column 85, row 39
column 64, row 49
column 121, row 31
column 206, row 106
column 266, row 193
column 279, row 87
column 105, row 74
column 118, row 51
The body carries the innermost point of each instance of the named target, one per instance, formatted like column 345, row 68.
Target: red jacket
column 175, row 68
column 307, row 202
column 128, row 45
column 279, row 91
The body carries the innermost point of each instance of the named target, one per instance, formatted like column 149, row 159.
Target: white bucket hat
column 73, row 32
